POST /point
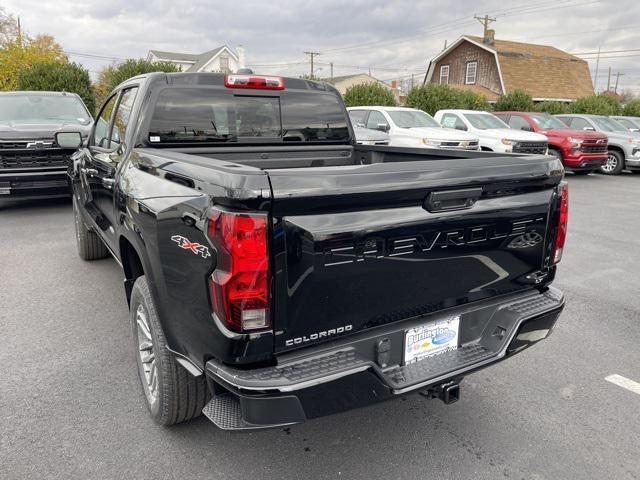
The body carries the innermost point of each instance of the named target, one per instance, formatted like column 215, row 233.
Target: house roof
column 545, row 72
column 197, row 60
column 348, row 77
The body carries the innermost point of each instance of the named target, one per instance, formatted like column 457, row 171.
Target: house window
column 470, row 74
column 444, row 75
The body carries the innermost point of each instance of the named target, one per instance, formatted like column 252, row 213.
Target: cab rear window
column 217, row 116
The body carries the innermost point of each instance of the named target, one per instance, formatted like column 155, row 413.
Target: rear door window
column 449, row 120
column 376, row 119
column 518, row 123
column 358, row 117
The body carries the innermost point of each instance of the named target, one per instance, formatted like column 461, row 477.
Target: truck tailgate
column 362, row 246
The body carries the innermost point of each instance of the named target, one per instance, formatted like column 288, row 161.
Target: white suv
column 494, row 134
column 409, row 127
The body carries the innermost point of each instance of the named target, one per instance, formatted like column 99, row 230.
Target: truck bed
column 356, row 243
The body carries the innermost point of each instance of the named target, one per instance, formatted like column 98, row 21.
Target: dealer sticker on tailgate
column 431, row 339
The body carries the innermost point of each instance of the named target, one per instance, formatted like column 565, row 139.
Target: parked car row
column 584, row 143
column 33, row 165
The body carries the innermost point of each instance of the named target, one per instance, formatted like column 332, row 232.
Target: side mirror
column 526, row 128
column 461, row 127
column 590, row 129
column 69, row 140
column 383, row 127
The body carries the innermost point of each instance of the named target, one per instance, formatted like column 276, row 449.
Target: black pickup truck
column 32, row 165
column 276, row 271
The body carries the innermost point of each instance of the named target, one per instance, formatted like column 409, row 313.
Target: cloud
column 399, row 36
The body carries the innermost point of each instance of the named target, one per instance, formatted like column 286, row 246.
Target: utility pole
column 412, row 82
column 617, row 75
column 19, row 32
column 331, row 65
column 595, row 80
column 609, row 81
column 311, row 55
column 485, row 21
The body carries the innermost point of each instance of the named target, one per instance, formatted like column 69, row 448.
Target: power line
column 608, row 51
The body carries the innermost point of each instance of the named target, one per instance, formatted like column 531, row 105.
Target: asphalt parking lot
column 71, row 406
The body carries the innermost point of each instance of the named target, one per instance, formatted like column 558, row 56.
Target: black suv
column 31, row 162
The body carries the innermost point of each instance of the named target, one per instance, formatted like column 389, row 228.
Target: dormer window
column 444, row 75
column 471, row 73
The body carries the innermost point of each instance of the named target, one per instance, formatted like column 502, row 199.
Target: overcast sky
column 392, row 38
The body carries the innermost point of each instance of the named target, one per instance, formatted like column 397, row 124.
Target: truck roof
column 215, row 79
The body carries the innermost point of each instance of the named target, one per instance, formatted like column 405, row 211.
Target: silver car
column 624, row 146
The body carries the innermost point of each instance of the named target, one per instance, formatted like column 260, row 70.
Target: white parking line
column 624, row 383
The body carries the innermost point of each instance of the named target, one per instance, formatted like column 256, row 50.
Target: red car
column 581, row 151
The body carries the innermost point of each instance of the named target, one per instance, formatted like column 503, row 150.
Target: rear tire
column 614, row 164
column 171, row 394
column 90, row 247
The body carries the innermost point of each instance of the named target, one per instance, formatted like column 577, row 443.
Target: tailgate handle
column 452, row 200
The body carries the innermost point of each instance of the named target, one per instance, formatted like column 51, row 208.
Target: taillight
column 239, row 286
column 563, row 218
column 254, row 81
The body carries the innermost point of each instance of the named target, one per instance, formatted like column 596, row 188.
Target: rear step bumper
column 357, row 372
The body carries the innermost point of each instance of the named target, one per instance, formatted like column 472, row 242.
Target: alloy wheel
column 611, row 164
column 146, row 355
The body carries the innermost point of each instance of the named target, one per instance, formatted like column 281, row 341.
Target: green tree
column 372, row 93
column 632, row 108
column 432, row 97
column 58, row 77
column 473, row 101
column 518, row 101
column 597, row 105
column 113, row 75
column 554, row 108
column 21, row 53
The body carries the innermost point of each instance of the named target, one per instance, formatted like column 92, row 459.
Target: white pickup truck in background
column 494, row 134
column 409, row 127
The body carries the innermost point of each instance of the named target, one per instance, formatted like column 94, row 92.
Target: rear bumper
column 367, row 370
column 34, row 184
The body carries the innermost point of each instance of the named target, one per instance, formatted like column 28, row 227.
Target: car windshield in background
column 35, row 108
column 412, row 119
column 485, row 121
column 547, row 121
column 200, row 115
column 609, row 125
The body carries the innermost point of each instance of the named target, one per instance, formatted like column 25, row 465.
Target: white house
column 221, row 59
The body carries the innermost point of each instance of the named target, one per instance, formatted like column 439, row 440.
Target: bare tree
column 8, row 27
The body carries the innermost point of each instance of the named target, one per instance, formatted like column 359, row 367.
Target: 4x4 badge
column 187, row 244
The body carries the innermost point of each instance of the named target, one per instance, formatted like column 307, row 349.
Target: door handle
column 452, row 200
column 90, row 172
column 108, row 182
